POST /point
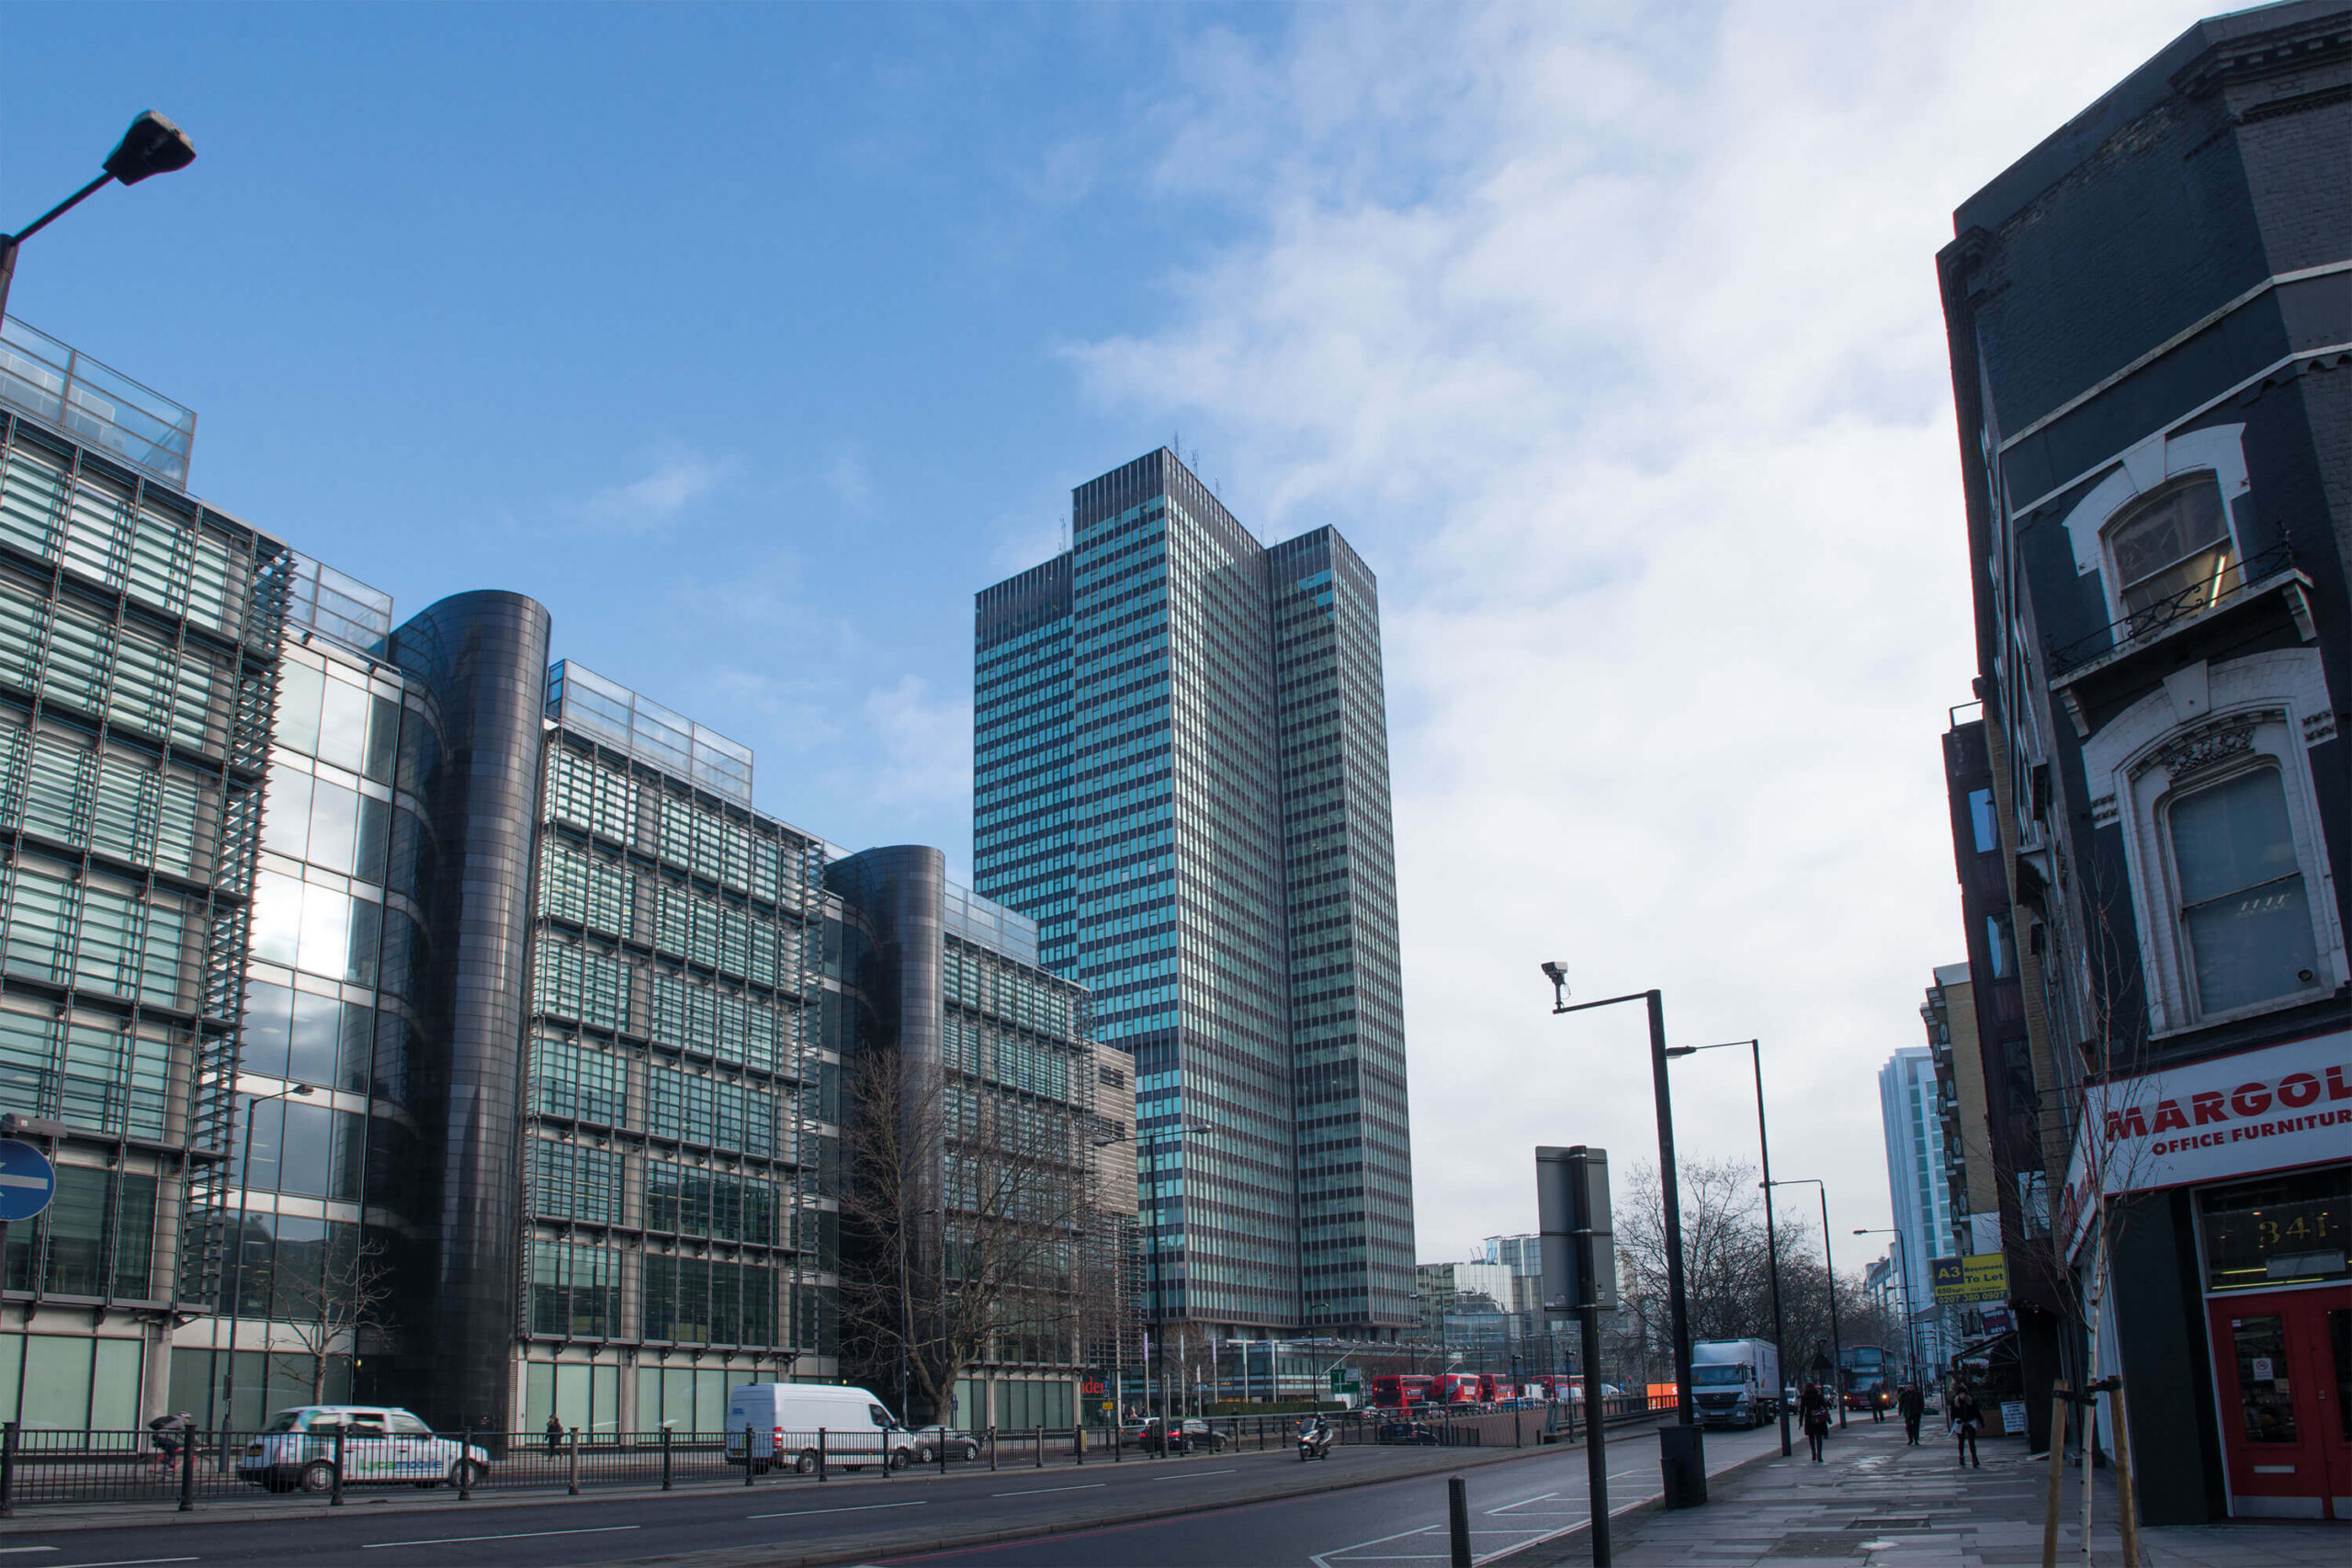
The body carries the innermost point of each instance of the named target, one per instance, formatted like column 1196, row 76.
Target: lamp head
column 1556, row 971
column 152, row 145
column 1682, row 1050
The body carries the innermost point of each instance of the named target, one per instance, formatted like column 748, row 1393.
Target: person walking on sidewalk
column 555, row 1436
column 1965, row 1417
column 1914, row 1404
column 1814, row 1409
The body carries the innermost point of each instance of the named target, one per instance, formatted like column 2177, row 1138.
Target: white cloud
column 925, row 743
column 1611, row 337
column 678, row 479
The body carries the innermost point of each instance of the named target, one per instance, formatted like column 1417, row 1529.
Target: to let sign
column 1980, row 1276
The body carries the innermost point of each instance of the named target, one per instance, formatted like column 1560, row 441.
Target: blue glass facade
column 1181, row 772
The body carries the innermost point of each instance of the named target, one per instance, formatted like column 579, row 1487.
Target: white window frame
column 2263, row 710
column 2142, row 470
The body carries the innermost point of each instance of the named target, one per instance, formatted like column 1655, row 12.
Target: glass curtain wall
column 138, row 650
column 673, row 1123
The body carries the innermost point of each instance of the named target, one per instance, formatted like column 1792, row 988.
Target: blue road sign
column 28, row 1181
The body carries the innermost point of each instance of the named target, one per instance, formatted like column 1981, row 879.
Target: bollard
column 1518, row 1438
column 572, row 1464
column 1118, row 1443
column 1041, row 1447
column 821, row 1456
column 1457, row 1512
column 665, row 1457
column 336, row 1500
column 465, row 1468
column 750, row 1444
column 991, row 1446
column 9, row 1471
column 943, row 1451
column 1078, row 1438
column 187, row 1470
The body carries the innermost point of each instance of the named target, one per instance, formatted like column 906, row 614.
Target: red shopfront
column 2261, row 1140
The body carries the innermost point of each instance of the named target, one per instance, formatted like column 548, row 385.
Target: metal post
column 751, row 1455
column 1457, row 1515
column 1836, row 1337
column 1772, row 1247
column 1041, row 1447
column 1670, row 1189
column 991, row 1447
column 665, row 1454
column 1595, row 1461
column 187, row 1469
column 571, row 1466
column 9, row 1471
column 464, row 1467
column 337, row 1499
column 820, row 1454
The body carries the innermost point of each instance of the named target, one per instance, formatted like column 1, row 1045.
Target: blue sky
column 754, row 340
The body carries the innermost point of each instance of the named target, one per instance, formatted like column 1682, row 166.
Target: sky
column 754, row 340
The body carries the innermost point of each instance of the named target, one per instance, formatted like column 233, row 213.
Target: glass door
column 2279, row 1364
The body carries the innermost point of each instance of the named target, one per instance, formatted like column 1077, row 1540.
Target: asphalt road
column 1519, row 1501
column 1513, row 1506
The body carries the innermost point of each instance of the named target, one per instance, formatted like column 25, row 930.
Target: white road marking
column 454, row 1540
column 124, row 1561
column 861, row 1508
column 1190, row 1473
column 1506, row 1508
column 1038, row 1491
column 12, row 1550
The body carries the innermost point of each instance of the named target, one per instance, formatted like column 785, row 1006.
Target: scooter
column 1314, row 1443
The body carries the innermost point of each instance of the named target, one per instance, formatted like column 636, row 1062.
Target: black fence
column 190, row 1469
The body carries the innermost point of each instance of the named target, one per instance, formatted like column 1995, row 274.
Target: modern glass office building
column 1181, row 772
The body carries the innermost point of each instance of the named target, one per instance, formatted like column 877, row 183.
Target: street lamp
column 1836, row 1338
column 237, row 1268
column 1910, row 1322
column 1771, row 1241
column 152, row 145
column 1174, row 1136
column 1680, row 1450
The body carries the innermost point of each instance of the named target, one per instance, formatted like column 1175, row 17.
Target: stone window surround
column 2143, row 468
column 2267, row 708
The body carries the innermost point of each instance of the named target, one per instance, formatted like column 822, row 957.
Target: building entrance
column 2282, row 1364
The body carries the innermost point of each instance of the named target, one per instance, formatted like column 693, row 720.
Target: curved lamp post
column 152, row 145
column 1829, row 1266
column 1910, row 1318
column 1680, row 1453
column 1771, row 1240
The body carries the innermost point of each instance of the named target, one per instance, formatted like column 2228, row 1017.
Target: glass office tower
column 1181, row 774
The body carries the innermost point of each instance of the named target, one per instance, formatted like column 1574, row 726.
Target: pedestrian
column 1878, row 1405
column 1965, row 1415
column 555, row 1436
column 1914, row 1404
column 1814, row 1409
column 171, row 1431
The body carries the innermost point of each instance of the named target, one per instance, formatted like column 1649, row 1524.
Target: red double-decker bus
column 1454, row 1388
column 1400, row 1391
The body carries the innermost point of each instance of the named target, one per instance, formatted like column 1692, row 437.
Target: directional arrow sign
column 28, row 1181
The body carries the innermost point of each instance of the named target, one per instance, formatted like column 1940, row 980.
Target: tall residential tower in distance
column 1181, row 772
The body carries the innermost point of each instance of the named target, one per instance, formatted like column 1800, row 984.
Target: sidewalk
column 1875, row 1501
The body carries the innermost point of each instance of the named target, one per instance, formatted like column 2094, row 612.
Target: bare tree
column 961, row 1212
column 327, row 1310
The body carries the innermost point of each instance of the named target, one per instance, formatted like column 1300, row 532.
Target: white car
column 381, row 1445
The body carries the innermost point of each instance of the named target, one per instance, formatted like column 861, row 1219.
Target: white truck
column 1736, row 1383
column 799, row 1425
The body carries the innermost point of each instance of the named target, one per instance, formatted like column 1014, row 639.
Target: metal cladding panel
column 483, row 657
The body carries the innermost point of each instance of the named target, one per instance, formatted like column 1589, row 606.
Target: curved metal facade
column 483, row 657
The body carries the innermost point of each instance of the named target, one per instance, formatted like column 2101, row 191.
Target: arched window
column 2173, row 552
column 2246, row 917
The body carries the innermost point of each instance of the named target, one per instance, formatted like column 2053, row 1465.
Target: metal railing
column 187, row 1469
column 94, row 404
column 2155, row 618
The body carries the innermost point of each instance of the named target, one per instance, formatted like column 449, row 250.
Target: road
column 1518, row 1501
column 1513, row 1506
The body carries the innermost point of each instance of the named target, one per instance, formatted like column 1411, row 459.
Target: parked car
column 930, row 1440
column 381, row 1445
column 1415, row 1434
column 1158, row 1434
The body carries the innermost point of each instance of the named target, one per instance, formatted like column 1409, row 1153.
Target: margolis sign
column 2259, row 1111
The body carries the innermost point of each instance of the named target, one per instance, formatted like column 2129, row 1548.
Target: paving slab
column 1877, row 1502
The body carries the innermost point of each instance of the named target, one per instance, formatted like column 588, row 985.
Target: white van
column 770, row 1424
